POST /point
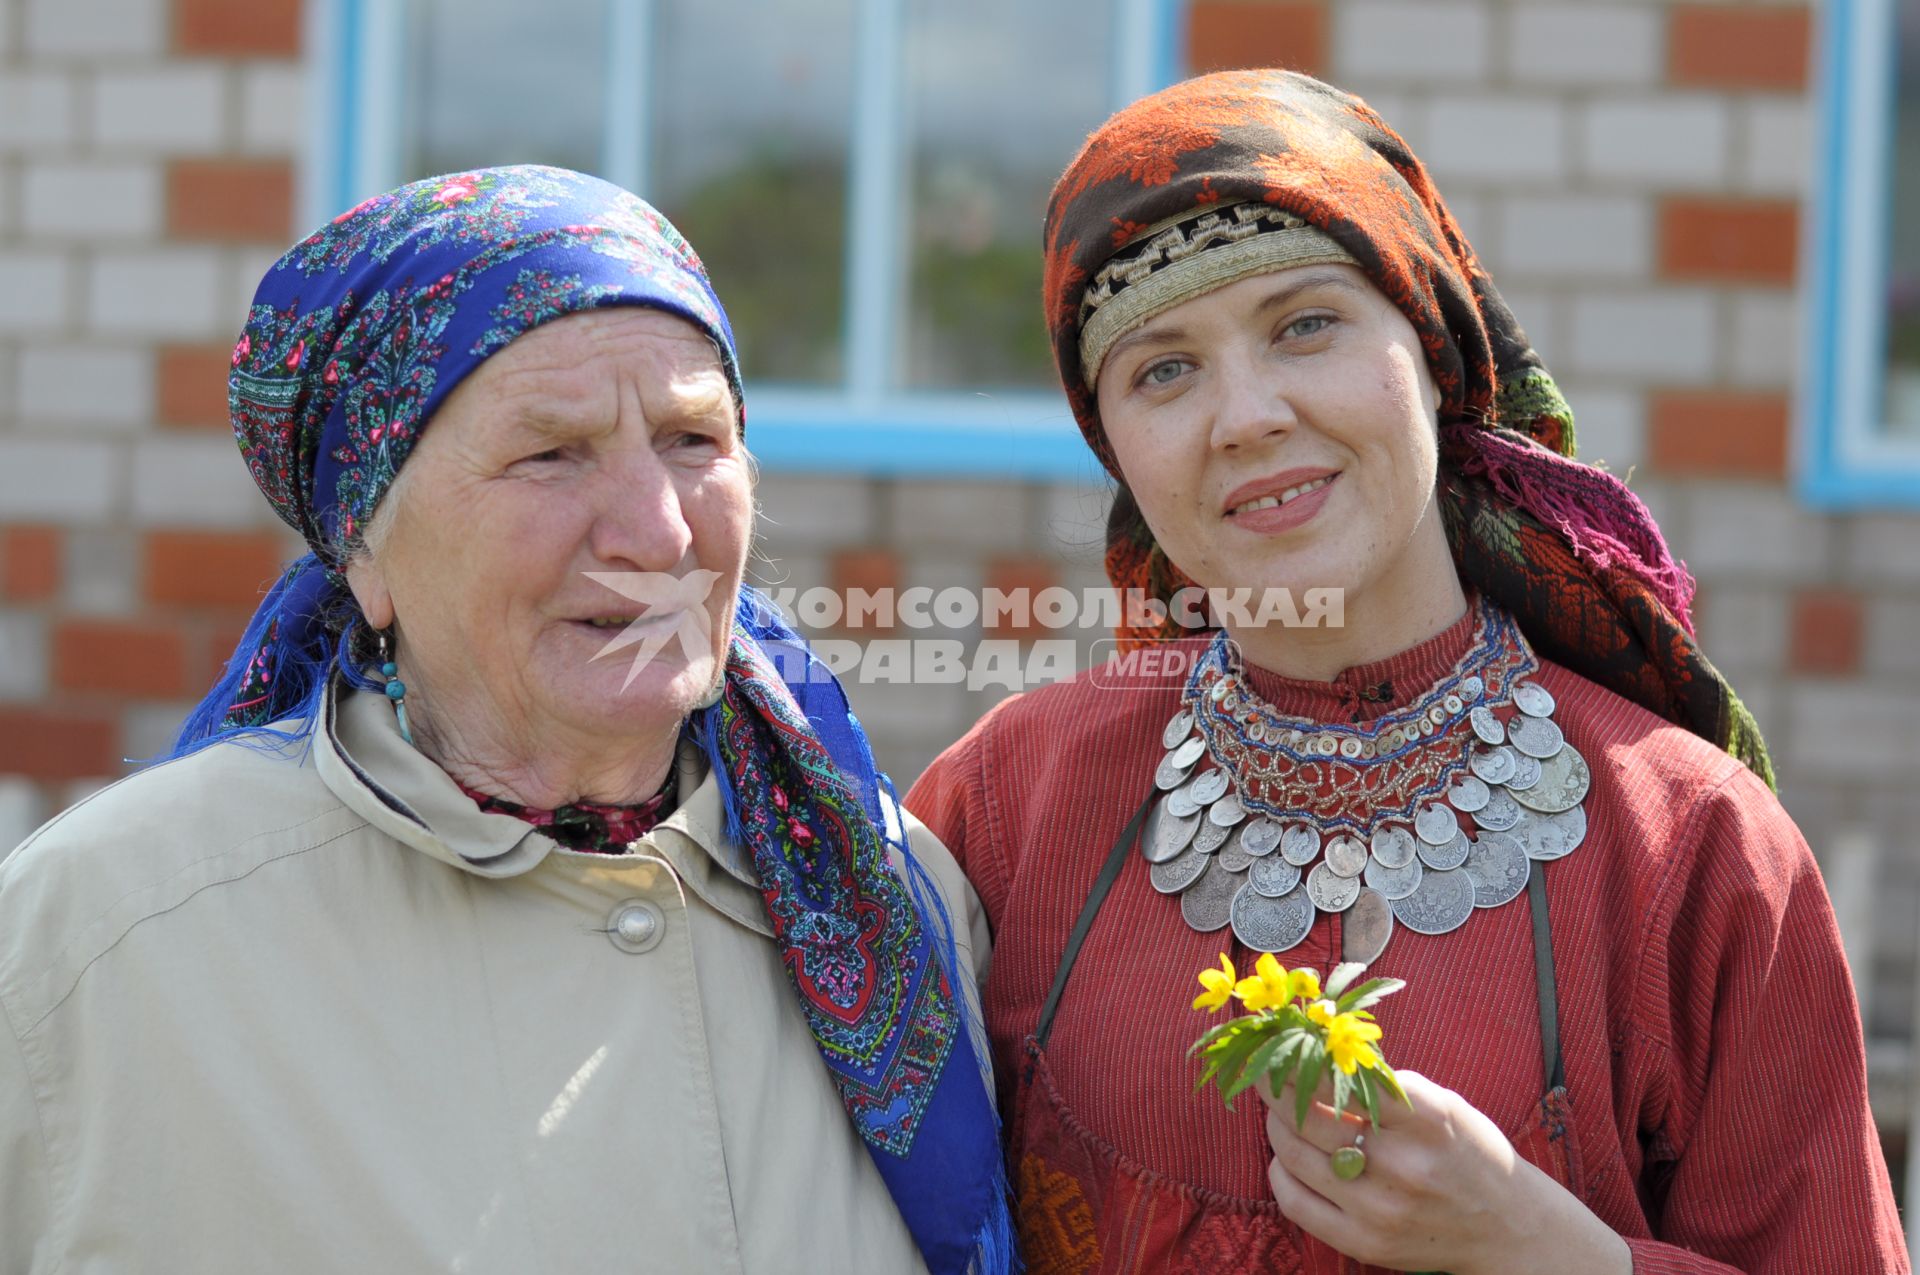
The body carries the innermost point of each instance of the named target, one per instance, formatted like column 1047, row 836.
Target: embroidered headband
column 1188, row 256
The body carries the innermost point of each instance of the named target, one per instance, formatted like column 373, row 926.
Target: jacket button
column 636, row 926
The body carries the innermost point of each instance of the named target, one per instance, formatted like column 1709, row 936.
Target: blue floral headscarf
column 355, row 338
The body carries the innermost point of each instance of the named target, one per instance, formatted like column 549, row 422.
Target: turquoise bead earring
column 396, row 689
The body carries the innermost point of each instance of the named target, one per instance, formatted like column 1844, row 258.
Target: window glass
column 503, row 82
column 1902, row 406
column 751, row 104
column 1000, row 94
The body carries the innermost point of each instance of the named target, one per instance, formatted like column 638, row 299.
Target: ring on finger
column 1350, row 1162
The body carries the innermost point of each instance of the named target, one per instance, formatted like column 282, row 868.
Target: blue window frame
column 911, row 117
column 1859, row 441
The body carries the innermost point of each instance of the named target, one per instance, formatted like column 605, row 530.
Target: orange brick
column 1224, row 35
column 1017, row 577
column 58, row 744
column 1729, row 240
column 1739, row 47
column 1718, row 433
column 1826, row 633
column 230, row 200
column 237, row 28
column 29, row 563
column 224, row 569
column 120, row 657
column 871, row 570
column 193, row 385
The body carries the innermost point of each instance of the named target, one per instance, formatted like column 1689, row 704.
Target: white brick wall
column 35, row 291
column 1496, row 138
column 801, row 511
column 36, row 111
column 987, row 517
column 273, row 106
column 84, row 385
column 177, row 108
column 1849, row 733
column 162, row 292
column 58, row 481
column 1883, row 549
column 1415, row 41
column 1776, row 147
column 101, row 571
column 1751, row 531
column 23, row 657
column 1610, row 425
column 92, row 201
column 95, row 28
column 1659, row 141
column 194, row 482
column 22, row 809
column 1763, row 338
column 1664, row 335
column 1556, row 45
column 1582, row 236
column 1744, row 627
column 1893, row 636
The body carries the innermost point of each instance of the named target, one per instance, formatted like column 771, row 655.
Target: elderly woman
column 1510, row 777
column 443, row 943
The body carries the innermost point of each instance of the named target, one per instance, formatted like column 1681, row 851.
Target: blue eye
column 1163, row 373
column 1308, row 326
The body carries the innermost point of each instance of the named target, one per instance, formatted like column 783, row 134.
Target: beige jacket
column 265, row 1014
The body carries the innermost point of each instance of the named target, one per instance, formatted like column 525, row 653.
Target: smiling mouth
column 623, row 621
column 1274, row 502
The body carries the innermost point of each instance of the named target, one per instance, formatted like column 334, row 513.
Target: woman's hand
column 1443, row 1190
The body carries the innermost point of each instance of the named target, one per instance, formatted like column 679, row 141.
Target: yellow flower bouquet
column 1296, row 1032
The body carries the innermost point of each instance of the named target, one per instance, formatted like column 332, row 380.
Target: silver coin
column 1366, row 927
column 1472, row 687
column 1179, row 872
column 1180, row 801
column 1209, row 788
column 1486, row 725
column 1448, row 857
column 1260, row 836
column 1330, row 891
column 1468, row 793
column 1233, row 856
column 1166, row 834
column 1169, row 776
column 1441, row 904
column 1498, row 867
column 1210, row 837
column 1526, row 773
column 1393, row 845
column 1188, row 751
column 1227, row 811
column 1300, row 844
column 1394, row 883
column 1551, row 837
column 1500, row 813
column 1436, row 824
column 1495, row 765
column 1273, row 876
column 1179, row 726
column 1346, row 856
column 1272, row 924
column 1564, row 780
column 1207, row 904
column 1532, row 699
column 1536, row 736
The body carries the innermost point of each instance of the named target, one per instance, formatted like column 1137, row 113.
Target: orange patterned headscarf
column 1565, row 547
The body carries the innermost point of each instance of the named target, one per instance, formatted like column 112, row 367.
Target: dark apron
column 1084, row 1206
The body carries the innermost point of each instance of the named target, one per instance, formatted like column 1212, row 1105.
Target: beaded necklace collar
column 1293, row 817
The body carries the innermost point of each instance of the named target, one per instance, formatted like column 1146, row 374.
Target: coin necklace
column 1257, row 828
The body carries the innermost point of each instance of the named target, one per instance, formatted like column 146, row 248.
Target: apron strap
column 1109, row 873
column 1555, row 1064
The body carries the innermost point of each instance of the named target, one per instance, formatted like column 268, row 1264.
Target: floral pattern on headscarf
column 360, row 331
column 1564, row 546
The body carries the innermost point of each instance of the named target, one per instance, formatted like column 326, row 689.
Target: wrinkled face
column 1279, row 432
column 603, row 442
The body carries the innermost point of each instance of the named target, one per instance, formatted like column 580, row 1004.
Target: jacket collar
column 402, row 792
